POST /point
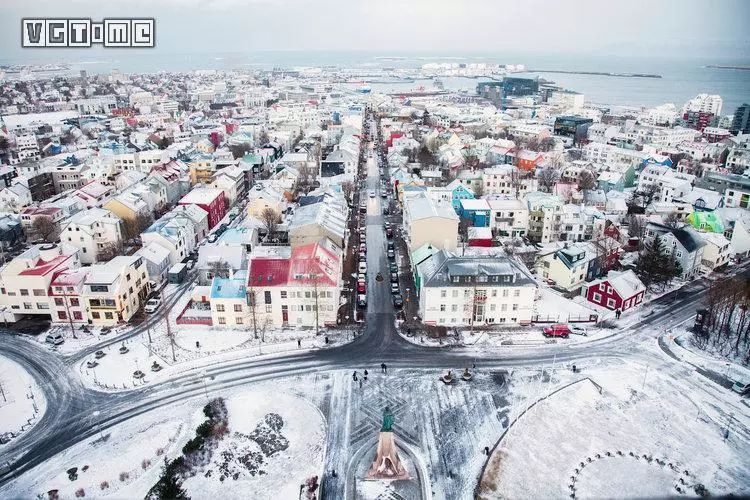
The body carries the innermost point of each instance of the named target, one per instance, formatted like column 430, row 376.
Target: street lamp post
column 96, row 414
column 204, row 374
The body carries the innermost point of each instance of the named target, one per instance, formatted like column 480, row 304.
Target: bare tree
column 636, row 228
column 586, row 180
column 108, row 251
column 546, row 144
column 348, row 189
column 270, row 219
column 672, row 220
column 547, row 179
column 478, row 189
column 218, row 268
column 45, row 228
column 133, row 227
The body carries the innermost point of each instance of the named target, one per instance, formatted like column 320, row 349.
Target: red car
column 361, row 287
column 556, row 331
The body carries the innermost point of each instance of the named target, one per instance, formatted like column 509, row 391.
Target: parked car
column 55, row 338
column 362, row 266
column 390, row 245
column 389, row 233
column 741, row 388
column 398, row 301
column 386, row 211
column 394, row 288
column 212, row 238
column 578, row 330
column 362, row 300
column 393, row 267
column 363, row 207
column 556, row 331
column 372, row 193
column 362, row 247
column 152, row 305
column 383, row 194
column 391, row 254
column 361, row 277
column 362, row 255
column 361, row 286
column 394, row 277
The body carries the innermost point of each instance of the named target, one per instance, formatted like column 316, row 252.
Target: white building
column 96, row 232
column 461, row 291
column 114, row 291
column 704, row 103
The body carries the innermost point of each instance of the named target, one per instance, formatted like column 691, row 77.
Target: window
column 455, row 279
column 505, row 293
column 222, row 320
column 268, row 297
column 442, row 307
column 443, row 293
column 238, row 308
column 39, row 293
column 220, row 307
column 238, row 320
column 283, row 294
column 503, row 307
column 99, row 288
column 95, row 315
column 269, row 308
column 515, row 307
column 61, row 315
column 597, row 297
column 24, row 292
column 516, row 293
column 108, row 315
column 455, row 294
column 74, row 302
column 610, row 302
column 58, row 302
column 494, row 293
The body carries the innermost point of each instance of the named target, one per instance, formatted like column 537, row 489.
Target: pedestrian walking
column 299, row 342
column 326, row 339
column 360, row 383
column 365, row 374
column 354, row 375
column 617, row 314
column 383, row 368
column 197, row 345
column 487, row 450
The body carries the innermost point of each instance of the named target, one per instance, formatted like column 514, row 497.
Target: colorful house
column 707, row 222
column 209, row 199
column 528, row 160
column 477, row 212
column 618, row 290
column 459, row 192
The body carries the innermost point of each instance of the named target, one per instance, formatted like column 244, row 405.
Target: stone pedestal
column 387, row 465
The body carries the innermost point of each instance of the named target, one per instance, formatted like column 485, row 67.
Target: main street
column 69, row 417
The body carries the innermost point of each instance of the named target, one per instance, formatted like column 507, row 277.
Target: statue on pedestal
column 387, row 464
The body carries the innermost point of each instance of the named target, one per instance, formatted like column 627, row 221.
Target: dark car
column 389, row 233
column 393, row 267
column 386, row 211
column 394, row 277
column 398, row 301
column 390, row 245
column 391, row 254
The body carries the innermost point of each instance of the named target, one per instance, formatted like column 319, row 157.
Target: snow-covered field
column 274, row 444
column 121, row 462
column 22, row 403
column 269, row 461
column 641, row 436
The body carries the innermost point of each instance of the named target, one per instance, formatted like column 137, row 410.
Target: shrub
column 204, row 430
column 159, row 452
column 145, row 464
column 193, row 445
column 80, row 493
column 103, row 485
column 124, row 476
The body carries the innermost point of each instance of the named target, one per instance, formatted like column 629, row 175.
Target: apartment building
column 115, row 290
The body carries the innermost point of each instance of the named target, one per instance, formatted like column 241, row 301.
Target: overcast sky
column 629, row 27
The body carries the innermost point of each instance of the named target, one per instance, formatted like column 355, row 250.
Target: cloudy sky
column 630, row 27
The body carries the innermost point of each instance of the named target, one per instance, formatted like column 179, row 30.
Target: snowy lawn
column 120, row 462
column 639, row 437
column 78, row 340
column 116, row 371
column 273, row 445
column 22, row 403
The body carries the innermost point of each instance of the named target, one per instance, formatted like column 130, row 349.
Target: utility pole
column 251, row 302
column 170, row 335
column 67, row 311
column 315, row 293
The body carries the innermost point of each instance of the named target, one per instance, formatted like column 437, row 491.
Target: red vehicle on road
column 361, row 287
column 556, row 331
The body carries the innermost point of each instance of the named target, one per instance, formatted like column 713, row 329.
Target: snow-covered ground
column 274, row 444
column 78, row 339
column 121, row 462
column 194, row 346
column 22, row 403
column 269, row 461
column 640, row 436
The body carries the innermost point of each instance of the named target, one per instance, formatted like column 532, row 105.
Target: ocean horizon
column 681, row 77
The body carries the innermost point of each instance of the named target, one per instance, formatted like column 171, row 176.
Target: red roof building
column 209, row 199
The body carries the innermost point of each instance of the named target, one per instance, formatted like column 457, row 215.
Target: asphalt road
column 69, row 420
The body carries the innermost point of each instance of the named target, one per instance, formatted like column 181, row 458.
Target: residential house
column 616, row 291
column 717, row 252
column 426, row 221
column 685, row 244
column 545, row 216
column 158, row 262
column 461, row 291
column 508, row 216
column 96, row 232
column 220, row 261
column 209, row 199
column 25, row 280
column 326, row 219
column 114, row 291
